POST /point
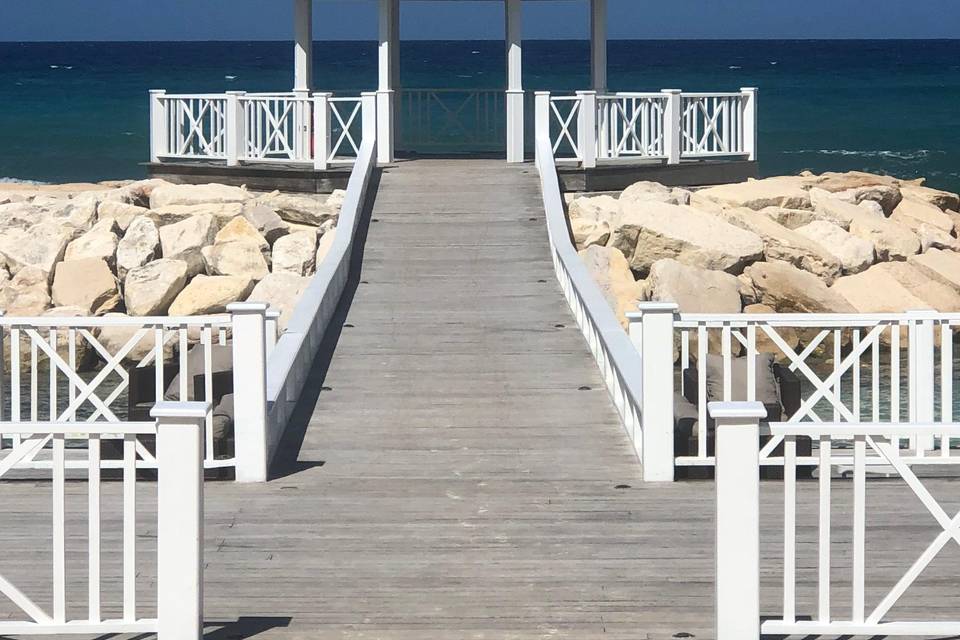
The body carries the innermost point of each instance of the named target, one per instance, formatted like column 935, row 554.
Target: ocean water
column 78, row 111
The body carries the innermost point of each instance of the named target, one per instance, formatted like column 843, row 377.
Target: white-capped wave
column 8, row 180
column 902, row 154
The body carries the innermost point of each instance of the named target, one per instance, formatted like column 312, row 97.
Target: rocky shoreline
column 152, row 248
column 832, row 243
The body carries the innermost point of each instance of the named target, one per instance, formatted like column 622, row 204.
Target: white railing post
column 272, row 329
column 587, row 128
column 672, row 126
column 321, row 131
column 250, row 390
column 750, row 122
column 180, row 519
column 737, row 587
column 922, row 373
column 158, row 125
column 236, row 132
column 369, row 119
column 385, row 125
column 654, row 341
column 541, row 116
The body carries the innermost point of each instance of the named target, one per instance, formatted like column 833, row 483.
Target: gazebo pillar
column 303, row 46
column 515, row 96
column 389, row 78
column 598, row 45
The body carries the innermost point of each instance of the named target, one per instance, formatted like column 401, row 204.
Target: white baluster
column 672, row 129
column 749, row 122
column 236, row 143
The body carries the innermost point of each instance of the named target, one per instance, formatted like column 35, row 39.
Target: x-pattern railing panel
column 631, row 125
column 711, row 124
column 196, row 126
column 564, row 112
column 276, row 128
column 347, row 127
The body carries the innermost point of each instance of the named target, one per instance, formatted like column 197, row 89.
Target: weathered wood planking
column 453, row 482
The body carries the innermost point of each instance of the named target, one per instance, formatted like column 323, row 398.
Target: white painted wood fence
column 738, row 528
column 671, row 126
column 178, row 430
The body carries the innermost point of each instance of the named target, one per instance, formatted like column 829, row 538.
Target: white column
column 389, row 78
column 180, row 518
column 598, row 45
column 250, row 390
column 158, row 125
column 750, row 122
column 922, row 372
column 737, row 587
column 235, row 132
column 513, row 10
column 651, row 331
column 672, row 127
column 303, row 46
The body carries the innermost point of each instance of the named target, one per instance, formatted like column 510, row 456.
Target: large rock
column 100, row 242
column 151, row 289
column 943, row 200
column 888, row 197
column 695, row 290
column 780, row 243
column 895, row 287
column 324, row 245
column 855, row 254
column 88, row 284
column 184, row 240
column 789, row 218
column 20, row 215
column 939, row 266
column 931, row 237
column 654, row 192
column 786, row 192
column 834, row 182
column 839, row 212
column 241, row 229
column 79, row 215
column 913, row 212
column 121, row 213
column 591, row 218
column 787, row 289
column 856, row 187
column 221, row 212
column 194, row 194
column 612, row 274
column 890, row 240
column 210, row 294
column 312, row 210
column 266, row 221
column 651, row 231
column 26, row 295
column 295, row 253
column 282, row 292
column 139, row 245
column 42, row 246
column 238, row 258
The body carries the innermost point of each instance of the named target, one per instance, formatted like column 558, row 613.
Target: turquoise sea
column 78, row 111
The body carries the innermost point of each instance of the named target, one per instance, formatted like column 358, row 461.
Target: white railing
column 853, row 368
column 670, row 126
column 452, row 119
column 178, row 550
column 738, row 531
column 238, row 127
column 619, row 363
column 292, row 357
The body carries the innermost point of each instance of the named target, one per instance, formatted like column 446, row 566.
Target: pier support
column 389, row 78
column 598, row 46
column 303, row 46
column 515, row 95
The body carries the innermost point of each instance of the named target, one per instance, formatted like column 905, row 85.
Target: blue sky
column 355, row 19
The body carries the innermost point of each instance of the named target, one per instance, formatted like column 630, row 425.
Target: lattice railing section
column 712, row 124
column 111, row 371
column 564, row 127
column 631, row 124
column 277, row 128
column 195, row 126
column 868, row 616
column 346, row 115
column 452, row 119
column 891, row 369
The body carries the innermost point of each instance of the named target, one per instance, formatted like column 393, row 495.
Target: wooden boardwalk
column 458, row 471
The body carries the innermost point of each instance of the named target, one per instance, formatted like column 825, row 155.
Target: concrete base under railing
column 616, row 175
column 259, row 177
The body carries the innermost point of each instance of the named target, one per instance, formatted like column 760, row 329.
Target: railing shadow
column 244, row 627
column 286, row 462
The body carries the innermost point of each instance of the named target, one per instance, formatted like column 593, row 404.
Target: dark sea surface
column 78, row 111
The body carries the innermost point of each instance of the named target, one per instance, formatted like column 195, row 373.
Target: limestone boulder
column 654, row 192
column 695, row 290
column 591, row 218
column 42, row 246
column 611, row 272
column 237, row 258
column 100, row 242
column 196, row 194
column 649, row 231
column 241, row 229
column 845, row 181
column 955, row 218
column 295, row 253
column 855, row 254
column 120, row 212
column 139, row 245
column 20, row 215
column 301, row 209
column 914, row 212
column 79, row 215
column 790, row 218
column 943, row 200
column 857, row 186
column 26, row 295
column 221, row 212
column 939, row 266
column 210, row 294
column 839, row 212
column 786, row 289
column 780, row 243
column 266, row 221
column 88, row 283
column 895, row 287
column 934, row 238
column 891, row 241
column 151, row 289
column 185, row 240
column 282, row 292
column 324, row 245
column 787, row 192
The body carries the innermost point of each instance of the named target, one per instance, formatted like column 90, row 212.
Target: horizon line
column 374, row 40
